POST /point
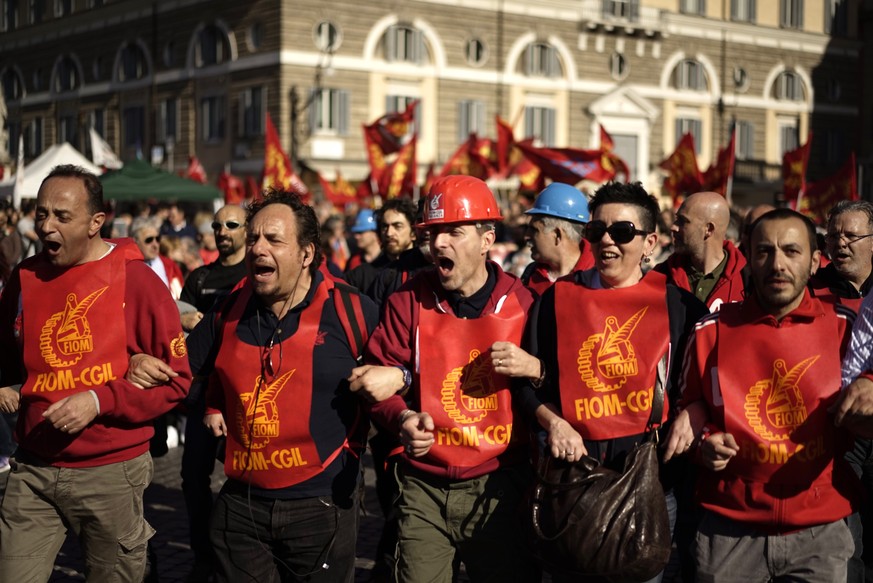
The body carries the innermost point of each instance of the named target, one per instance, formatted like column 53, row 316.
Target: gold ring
column 65, row 427
column 499, row 362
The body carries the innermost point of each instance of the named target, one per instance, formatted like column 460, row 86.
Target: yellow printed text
column 66, row 380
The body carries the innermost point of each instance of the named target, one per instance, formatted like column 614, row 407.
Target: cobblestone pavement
column 165, row 511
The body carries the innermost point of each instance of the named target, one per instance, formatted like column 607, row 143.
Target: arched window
column 13, row 87
column 541, row 60
column 67, row 77
column 212, row 47
column 689, row 75
column 132, row 64
column 788, row 87
column 404, row 43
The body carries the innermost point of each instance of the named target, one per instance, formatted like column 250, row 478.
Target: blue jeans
column 264, row 540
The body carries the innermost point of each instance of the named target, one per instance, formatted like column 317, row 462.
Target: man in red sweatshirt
column 70, row 319
column 775, row 488
column 466, row 453
column 704, row 262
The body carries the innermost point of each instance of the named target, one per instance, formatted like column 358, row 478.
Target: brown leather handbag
column 589, row 520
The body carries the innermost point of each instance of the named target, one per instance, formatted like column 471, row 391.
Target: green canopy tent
column 138, row 180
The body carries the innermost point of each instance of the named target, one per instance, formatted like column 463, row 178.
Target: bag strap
column 658, row 395
column 351, row 315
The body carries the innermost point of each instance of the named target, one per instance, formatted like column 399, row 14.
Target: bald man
column 754, row 213
column 703, row 261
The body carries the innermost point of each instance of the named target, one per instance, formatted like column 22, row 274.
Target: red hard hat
column 459, row 199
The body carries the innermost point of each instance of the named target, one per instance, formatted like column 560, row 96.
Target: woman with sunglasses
column 606, row 337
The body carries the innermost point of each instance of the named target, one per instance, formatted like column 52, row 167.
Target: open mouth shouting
column 262, row 272
column 444, row 266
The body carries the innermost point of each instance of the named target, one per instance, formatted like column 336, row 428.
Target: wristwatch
column 407, row 379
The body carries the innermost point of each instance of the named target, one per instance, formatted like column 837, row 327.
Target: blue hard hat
column 364, row 222
column 561, row 201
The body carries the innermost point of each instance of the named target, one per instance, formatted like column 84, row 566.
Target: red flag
column 278, row 172
column 233, row 188
column 505, row 142
column 610, row 159
column 340, row 193
column 365, row 188
column 530, row 177
column 195, row 171
column 683, row 174
column 721, row 170
column 794, row 165
column 398, row 180
column 606, row 143
column 569, row 165
column 817, row 199
column 429, row 177
column 253, row 192
column 472, row 158
column 387, row 135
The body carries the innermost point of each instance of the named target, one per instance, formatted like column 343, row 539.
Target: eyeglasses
column 268, row 367
column 849, row 237
column 152, row 239
column 620, row 232
column 229, row 225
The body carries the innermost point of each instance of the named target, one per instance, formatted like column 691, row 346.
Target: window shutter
column 463, row 121
column 418, row 46
column 315, row 99
column 343, row 116
column 391, row 44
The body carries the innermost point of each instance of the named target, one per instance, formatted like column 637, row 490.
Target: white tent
column 37, row 170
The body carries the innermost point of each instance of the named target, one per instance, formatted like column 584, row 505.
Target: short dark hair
column 93, row 186
column 782, row 214
column 850, row 206
column 404, row 206
column 633, row 194
column 308, row 231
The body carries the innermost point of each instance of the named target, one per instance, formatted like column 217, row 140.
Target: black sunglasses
column 229, row 225
column 621, row 232
column 152, row 239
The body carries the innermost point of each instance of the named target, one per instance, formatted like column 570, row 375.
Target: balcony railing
column 757, row 171
column 627, row 14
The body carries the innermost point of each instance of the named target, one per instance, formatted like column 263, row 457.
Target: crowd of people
column 462, row 340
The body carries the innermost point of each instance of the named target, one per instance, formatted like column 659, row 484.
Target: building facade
column 172, row 78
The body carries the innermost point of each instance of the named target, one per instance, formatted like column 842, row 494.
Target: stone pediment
column 624, row 102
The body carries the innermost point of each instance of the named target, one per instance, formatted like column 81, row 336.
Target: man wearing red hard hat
column 436, row 380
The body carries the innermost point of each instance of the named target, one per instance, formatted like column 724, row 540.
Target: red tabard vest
column 268, row 439
column 74, row 339
column 611, row 343
column 470, row 404
column 777, row 383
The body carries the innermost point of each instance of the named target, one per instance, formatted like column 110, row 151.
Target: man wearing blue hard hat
column 365, row 233
column 554, row 234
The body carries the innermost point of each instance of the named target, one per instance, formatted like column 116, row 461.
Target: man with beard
column 703, row 261
column 554, row 234
column 278, row 358
column 71, row 317
column 205, row 285
column 774, row 489
column 849, row 246
column 396, row 220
